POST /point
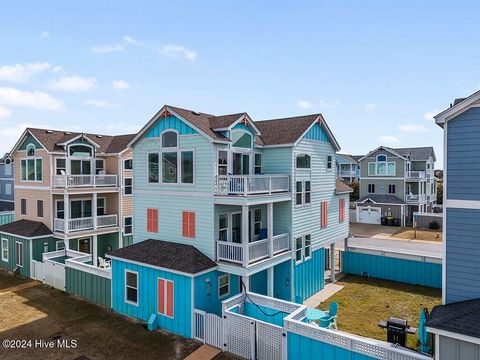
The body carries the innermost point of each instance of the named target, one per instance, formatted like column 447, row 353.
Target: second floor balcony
column 85, row 223
column 82, row 181
column 244, row 185
column 347, row 173
column 414, row 198
column 415, row 175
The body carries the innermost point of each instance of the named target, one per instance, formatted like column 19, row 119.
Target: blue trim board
column 388, row 268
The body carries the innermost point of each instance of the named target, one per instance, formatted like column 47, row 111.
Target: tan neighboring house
column 79, row 185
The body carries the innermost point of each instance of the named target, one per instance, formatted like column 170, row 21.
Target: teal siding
column 317, row 133
column 401, row 270
column 38, row 247
column 170, row 122
column 303, row 348
column 180, row 324
column 277, row 160
column 106, row 242
column 11, row 263
column 259, row 282
column 127, row 240
column 30, row 140
column 7, row 217
column 206, row 292
column 88, row 286
column 282, row 280
column 309, row 276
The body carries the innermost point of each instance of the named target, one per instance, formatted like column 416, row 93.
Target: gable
column 317, row 133
column 169, row 122
column 29, row 139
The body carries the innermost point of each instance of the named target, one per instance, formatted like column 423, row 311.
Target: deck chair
column 330, row 321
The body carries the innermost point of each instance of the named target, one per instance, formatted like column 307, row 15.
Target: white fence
column 54, row 274
column 251, row 184
column 79, row 181
column 208, row 328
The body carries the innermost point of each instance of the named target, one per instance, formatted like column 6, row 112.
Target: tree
column 356, row 191
column 440, row 192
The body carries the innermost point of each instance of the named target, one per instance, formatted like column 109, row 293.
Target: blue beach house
column 257, row 203
column 6, row 183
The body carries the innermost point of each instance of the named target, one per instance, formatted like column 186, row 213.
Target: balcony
column 347, row 173
column 414, row 198
column 244, row 185
column 415, row 175
column 87, row 223
column 82, row 181
column 247, row 254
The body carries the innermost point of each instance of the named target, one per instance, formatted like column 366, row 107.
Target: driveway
column 372, row 231
column 422, row 248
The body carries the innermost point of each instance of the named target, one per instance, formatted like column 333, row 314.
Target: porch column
column 66, row 212
column 270, row 281
column 332, row 262
column 270, row 228
column 402, row 216
column 246, row 283
column 95, row 250
column 94, row 210
column 66, row 243
column 245, row 240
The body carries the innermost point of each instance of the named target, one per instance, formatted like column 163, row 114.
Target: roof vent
column 49, row 132
column 99, row 136
column 67, row 133
column 195, row 113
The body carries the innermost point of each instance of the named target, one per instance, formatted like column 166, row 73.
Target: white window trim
column 252, row 137
column 8, row 165
column 261, row 162
column 301, row 250
column 92, row 156
column 178, row 151
column 303, row 192
column 16, row 254
column 228, row 228
column 35, row 159
column 124, row 233
column 95, row 161
column 226, row 165
column 57, row 168
column 3, row 249
column 8, row 189
column 386, row 168
column 124, row 161
column 34, row 149
column 165, row 297
column 297, row 205
column 59, row 242
column 126, row 286
column 305, row 258
column 332, row 165
column 228, row 284
column 124, row 186
column 252, row 230
column 303, row 169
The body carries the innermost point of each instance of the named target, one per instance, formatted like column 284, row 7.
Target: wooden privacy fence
column 423, row 220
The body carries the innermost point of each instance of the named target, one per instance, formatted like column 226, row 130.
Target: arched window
column 303, row 161
column 382, row 158
column 80, row 151
column 30, row 150
column 169, row 139
column 241, row 139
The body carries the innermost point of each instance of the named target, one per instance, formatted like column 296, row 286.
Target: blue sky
column 377, row 70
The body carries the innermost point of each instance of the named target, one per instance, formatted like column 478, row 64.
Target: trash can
column 389, row 221
column 396, row 222
column 383, row 220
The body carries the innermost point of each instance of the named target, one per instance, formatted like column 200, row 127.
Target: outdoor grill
column 397, row 330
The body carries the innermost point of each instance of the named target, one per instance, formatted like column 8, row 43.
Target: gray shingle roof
column 348, row 158
column 461, row 318
column 166, row 254
column 286, row 130
column 382, row 199
column 26, row 228
column 417, row 153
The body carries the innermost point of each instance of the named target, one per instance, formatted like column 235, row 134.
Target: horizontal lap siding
column 381, row 187
column 148, row 297
column 303, row 348
column 277, row 161
column 309, row 276
column 11, row 263
column 463, row 148
column 462, row 254
column 401, row 270
column 206, row 291
column 88, row 286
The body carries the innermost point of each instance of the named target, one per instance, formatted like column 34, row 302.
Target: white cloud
column 329, row 105
column 107, row 48
column 120, row 84
column 388, row 139
column 414, row 128
column 44, row 35
column 73, row 83
column 4, row 113
column 178, row 51
column 430, row 114
column 11, row 131
column 31, row 99
column 21, row 73
column 370, row 107
column 304, row 104
column 101, row 104
column 129, row 40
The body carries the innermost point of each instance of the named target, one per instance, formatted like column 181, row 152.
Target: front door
column 84, row 245
column 80, row 209
column 80, row 167
column 237, row 228
column 241, row 164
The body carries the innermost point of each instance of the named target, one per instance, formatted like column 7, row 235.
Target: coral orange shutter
column 191, row 225
column 341, row 210
column 149, row 220
column 185, row 224
column 155, row 220
column 161, row 296
column 169, row 298
column 326, row 214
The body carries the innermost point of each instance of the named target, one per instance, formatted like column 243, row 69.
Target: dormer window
column 303, row 161
column 169, row 139
column 381, row 158
column 241, row 139
column 381, row 167
column 80, row 151
column 30, row 150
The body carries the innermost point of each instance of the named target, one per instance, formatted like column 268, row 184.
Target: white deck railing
column 414, row 198
column 347, row 173
column 251, row 184
column 81, row 224
column 78, row 181
column 257, row 250
column 415, row 174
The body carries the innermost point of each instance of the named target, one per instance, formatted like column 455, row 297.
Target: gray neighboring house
column 396, row 183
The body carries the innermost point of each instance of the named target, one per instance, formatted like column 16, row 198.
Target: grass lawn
column 363, row 302
column 423, row 234
column 39, row 312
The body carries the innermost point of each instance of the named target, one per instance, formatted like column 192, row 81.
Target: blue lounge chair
column 330, row 321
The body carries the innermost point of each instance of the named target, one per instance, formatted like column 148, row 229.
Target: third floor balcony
column 82, row 181
column 244, row 185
